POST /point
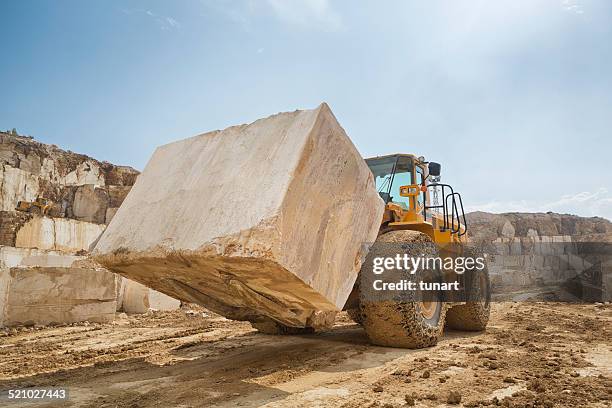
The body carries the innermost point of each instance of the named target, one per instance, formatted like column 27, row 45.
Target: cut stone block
column 90, row 204
column 266, row 220
column 87, row 172
column 138, row 298
column 16, row 185
column 58, row 233
column 42, row 287
column 11, row 257
column 46, row 295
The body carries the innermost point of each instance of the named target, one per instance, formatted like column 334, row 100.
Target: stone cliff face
column 43, row 274
column 488, row 227
column 535, row 253
column 78, row 186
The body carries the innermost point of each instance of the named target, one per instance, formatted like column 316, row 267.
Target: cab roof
column 393, row 155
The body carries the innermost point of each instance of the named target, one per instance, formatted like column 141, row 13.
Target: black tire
column 399, row 323
column 402, row 324
column 473, row 315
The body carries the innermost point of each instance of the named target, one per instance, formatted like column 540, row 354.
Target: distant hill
column 488, row 226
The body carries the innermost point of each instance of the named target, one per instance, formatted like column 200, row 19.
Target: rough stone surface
column 59, row 166
column 10, row 223
column 564, row 255
column 46, row 295
column 42, row 287
column 116, row 195
column 11, row 257
column 484, row 226
column 17, row 184
column 90, row 204
column 78, row 186
column 261, row 220
column 39, row 281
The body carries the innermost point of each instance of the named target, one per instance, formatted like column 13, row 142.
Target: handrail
column 465, row 227
column 444, row 205
column 456, row 214
column 454, row 210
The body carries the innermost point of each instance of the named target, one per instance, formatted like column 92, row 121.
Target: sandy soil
column 532, row 355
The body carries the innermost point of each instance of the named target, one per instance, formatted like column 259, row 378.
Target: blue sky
column 514, row 98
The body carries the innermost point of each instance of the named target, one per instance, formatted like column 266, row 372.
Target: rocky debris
column 274, row 235
column 454, row 398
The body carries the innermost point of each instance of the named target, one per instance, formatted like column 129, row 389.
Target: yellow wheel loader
column 279, row 222
column 427, row 218
column 39, row 206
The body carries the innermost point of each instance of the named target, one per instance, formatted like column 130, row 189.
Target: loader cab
column 415, row 199
column 393, row 172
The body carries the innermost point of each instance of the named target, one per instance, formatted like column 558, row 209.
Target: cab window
column 402, row 177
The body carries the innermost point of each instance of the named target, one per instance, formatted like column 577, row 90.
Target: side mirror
column 434, row 169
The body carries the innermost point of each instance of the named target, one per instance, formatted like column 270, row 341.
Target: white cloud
column 163, row 22
column 172, row 22
column 586, row 204
column 311, row 14
column 307, row 13
column 596, row 203
column 572, row 6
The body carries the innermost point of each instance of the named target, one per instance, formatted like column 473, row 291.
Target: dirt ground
column 532, row 355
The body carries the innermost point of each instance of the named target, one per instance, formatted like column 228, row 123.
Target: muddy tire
column 399, row 323
column 402, row 324
column 474, row 314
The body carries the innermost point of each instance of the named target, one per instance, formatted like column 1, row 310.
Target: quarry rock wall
column 40, row 281
column 529, row 252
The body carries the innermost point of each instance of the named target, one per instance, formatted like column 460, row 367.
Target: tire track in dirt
column 532, row 354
